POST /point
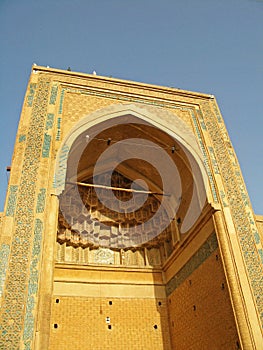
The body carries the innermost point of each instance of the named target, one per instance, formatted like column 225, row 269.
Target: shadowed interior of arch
column 87, row 222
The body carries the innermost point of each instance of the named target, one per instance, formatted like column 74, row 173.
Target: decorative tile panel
column 41, row 200
column 30, row 96
column 53, row 95
column 32, row 285
column 46, row 146
column 11, row 204
column 22, row 138
column 62, row 168
column 61, row 101
column 223, row 198
column 104, row 256
column 58, row 129
column 205, row 157
column 4, row 254
column 49, row 121
column 214, row 161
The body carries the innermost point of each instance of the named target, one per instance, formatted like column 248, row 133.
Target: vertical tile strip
column 239, row 203
column 205, row 157
column 4, row 254
column 17, row 280
column 11, row 203
column 32, row 285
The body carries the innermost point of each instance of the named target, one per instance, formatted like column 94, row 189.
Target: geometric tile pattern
column 46, row 146
column 41, row 200
column 53, row 95
column 11, row 203
column 30, row 97
column 32, row 285
column 205, row 157
column 4, row 254
column 22, row 138
column 49, row 121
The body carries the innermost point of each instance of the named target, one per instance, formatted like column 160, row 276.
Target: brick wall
column 200, row 311
column 138, row 324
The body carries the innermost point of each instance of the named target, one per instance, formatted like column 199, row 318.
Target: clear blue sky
column 212, row 46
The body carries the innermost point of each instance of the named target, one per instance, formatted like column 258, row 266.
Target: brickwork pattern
column 201, row 305
column 132, row 324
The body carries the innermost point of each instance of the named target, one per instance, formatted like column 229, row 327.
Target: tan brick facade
column 133, row 324
column 204, row 310
column 74, row 275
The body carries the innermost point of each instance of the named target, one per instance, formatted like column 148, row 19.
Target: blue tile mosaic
column 41, row 200
column 46, row 146
column 32, row 285
column 49, row 121
column 22, row 138
column 53, row 95
column 4, row 255
column 11, row 203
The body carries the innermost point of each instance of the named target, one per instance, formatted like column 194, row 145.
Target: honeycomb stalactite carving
column 84, row 222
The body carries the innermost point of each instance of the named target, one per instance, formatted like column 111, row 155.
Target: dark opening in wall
column 109, row 326
column 110, row 302
column 57, row 301
column 55, row 325
column 155, row 326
